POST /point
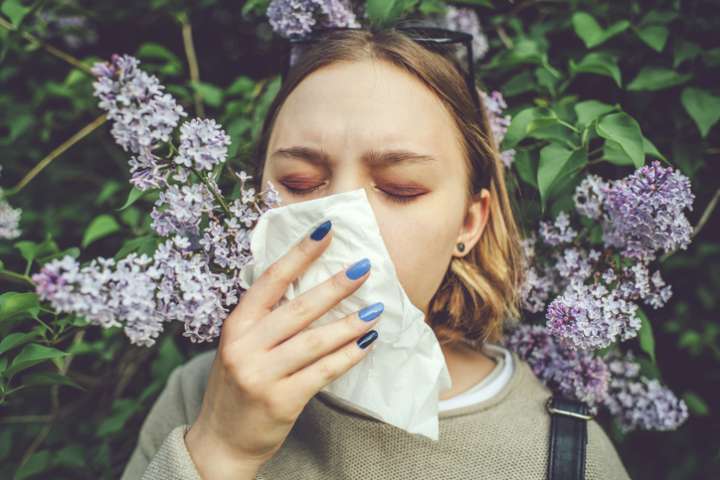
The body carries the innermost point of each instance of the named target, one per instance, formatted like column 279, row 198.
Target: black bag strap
column 568, row 438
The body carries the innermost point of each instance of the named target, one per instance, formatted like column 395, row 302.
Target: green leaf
column 683, row 51
column 657, row 78
column 624, row 130
column 614, row 153
column 525, row 166
column 589, row 110
column 518, row 128
column 557, row 163
column 645, row 335
column 171, row 64
column 655, row 36
column 48, row 378
column 696, row 404
column 703, row 107
column 383, row 12
column 650, row 149
column 107, row 191
column 600, row 63
column 14, row 340
column 15, row 11
column 32, row 250
column 210, row 94
column 122, row 410
column 101, row 226
column 33, row 354
column 133, row 197
column 37, row 463
column 591, row 33
column 14, row 303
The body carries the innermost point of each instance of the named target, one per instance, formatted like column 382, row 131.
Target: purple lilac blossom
column 495, row 105
column 143, row 115
column 179, row 209
column 559, row 231
column 574, row 373
column 203, row 144
column 645, row 212
column 295, row 19
column 9, row 218
column 591, row 316
column 537, row 286
column 181, row 281
column 466, row 20
column 589, row 196
column 638, row 402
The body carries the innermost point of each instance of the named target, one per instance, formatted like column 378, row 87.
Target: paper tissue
column 399, row 382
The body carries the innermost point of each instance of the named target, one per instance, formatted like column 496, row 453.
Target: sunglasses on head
column 440, row 40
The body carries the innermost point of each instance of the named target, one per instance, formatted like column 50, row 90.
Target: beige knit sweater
column 503, row 437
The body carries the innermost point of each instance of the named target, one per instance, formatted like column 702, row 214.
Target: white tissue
column 399, row 382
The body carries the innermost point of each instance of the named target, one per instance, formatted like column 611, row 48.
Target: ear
column 474, row 223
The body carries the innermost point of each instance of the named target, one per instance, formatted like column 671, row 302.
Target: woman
column 253, row 407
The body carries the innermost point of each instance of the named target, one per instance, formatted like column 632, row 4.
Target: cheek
column 420, row 245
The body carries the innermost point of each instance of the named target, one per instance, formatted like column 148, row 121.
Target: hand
column 269, row 364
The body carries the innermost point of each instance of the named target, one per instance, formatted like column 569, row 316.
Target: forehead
column 364, row 104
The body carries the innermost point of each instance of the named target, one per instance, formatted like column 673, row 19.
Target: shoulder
column 529, row 398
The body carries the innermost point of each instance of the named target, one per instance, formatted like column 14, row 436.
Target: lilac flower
column 589, row 196
column 179, row 209
column 638, row 284
column 591, row 317
column 558, row 232
column 143, row 115
column 645, row 212
column 9, row 218
column 466, row 20
column 495, row 105
column 574, row 373
column 203, row 144
column 74, row 30
column 295, row 19
column 638, row 402
column 537, row 286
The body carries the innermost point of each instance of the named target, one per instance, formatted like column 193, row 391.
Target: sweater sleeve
column 160, row 452
column 602, row 459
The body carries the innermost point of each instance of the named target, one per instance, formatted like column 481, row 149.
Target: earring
column 461, row 247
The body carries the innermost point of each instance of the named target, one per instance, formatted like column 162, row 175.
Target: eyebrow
column 373, row 158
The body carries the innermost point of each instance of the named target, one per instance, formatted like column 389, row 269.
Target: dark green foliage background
column 641, row 56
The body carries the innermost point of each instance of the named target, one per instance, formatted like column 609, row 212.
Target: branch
column 192, row 63
column 66, row 57
column 84, row 132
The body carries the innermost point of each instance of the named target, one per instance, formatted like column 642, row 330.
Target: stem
column 84, row 132
column 66, row 57
column 192, row 63
column 217, row 196
column 16, row 277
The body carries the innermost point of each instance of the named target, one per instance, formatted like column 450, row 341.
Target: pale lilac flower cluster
column 638, row 402
column 203, row 144
column 645, row 212
column 192, row 276
column 574, row 373
column 466, row 20
column 596, row 293
column 499, row 122
column 9, row 218
column 180, row 282
column 143, row 116
column 295, row 19
column 613, row 382
column 75, row 30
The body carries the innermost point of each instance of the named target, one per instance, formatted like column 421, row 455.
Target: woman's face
column 334, row 134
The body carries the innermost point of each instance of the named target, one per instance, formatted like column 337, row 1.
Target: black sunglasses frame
column 432, row 38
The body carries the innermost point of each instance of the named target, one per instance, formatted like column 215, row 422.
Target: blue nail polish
column 371, row 311
column 367, row 339
column 322, row 230
column 358, row 269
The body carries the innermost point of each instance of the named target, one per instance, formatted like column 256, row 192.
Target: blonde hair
column 479, row 294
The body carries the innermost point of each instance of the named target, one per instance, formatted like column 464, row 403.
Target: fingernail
column 367, row 339
column 371, row 311
column 322, row 230
column 358, row 269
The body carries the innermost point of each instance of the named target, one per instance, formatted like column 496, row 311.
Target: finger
column 295, row 315
column 270, row 287
column 314, row 343
column 308, row 381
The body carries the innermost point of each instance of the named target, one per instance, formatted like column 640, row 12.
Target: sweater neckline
column 519, row 375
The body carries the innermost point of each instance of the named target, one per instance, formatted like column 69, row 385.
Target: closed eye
column 391, row 196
